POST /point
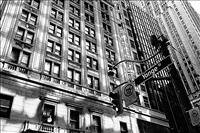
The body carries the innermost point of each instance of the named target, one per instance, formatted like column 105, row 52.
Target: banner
column 194, row 116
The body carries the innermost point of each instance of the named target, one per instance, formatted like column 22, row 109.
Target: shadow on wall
column 27, row 105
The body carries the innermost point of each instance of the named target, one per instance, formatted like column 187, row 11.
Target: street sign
column 129, row 95
column 153, row 70
column 195, row 116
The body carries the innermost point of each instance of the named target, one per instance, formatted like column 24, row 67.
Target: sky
column 196, row 5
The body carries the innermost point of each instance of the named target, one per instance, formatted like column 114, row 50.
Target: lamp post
column 116, row 95
column 111, row 73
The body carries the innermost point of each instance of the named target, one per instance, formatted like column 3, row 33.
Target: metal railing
column 48, row 128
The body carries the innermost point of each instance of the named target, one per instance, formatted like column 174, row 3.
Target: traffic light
column 162, row 43
column 154, row 41
column 111, row 72
column 117, row 102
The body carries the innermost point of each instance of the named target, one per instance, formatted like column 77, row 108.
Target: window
column 107, row 28
column 59, row 31
column 74, row 23
column 92, row 63
column 57, row 14
column 138, row 69
column 20, row 57
column 130, row 33
column 150, row 127
column 91, row 46
column 74, row 76
column 135, row 56
column 56, row 30
column 74, row 10
column 29, row 37
column 51, row 28
column 59, row 2
column 88, row 7
column 123, row 5
column 52, row 68
column 34, row 3
column 104, row 7
column 74, row 56
column 112, row 86
column 60, row 16
column 123, row 127
column 138, row 98
column 20, row 33
column 53, row 47
column 146, row 101
column 53, row 13
column 48, row 114
column 132, row 44
column 73, row 38
column 28, row 17
column 89, row 31
column 74, row 119
column 105, row 16
column 89, row 18
column 119, row 16
column 24, row 15
column 110, row 55
column 96, row 124
column 25, row 59
column 125, row 13
column 23, row 34
column 33, row 19
column 93, row 82
column 5, row 105
column 143, row 88
column 108, row 40
column 47, row 68
column 15, row 55
column 127, row 22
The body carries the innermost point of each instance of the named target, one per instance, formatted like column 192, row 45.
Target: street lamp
column 116, row 96
column 111, row 72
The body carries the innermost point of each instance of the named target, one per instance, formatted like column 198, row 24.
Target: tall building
column 167, row 95
column 181, row 23
column 55, row 56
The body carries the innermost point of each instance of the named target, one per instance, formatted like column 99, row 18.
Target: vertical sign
column 194, row 116
column 128, row 93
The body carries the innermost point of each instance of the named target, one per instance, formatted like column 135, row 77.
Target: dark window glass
column 97, row 124
column 48, row 114
column 20, row 57
column 74, row 10
column 146, row 102
column 74, row 119
column 5, row 105
column 15, row 55
column 123, row 127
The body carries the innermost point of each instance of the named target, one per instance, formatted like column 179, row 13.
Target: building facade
column 55, row 55
column 181, row 23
